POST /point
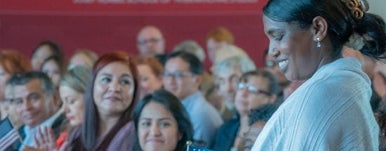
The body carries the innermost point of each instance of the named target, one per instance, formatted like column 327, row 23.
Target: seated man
column 182, row 77
column 33, row 96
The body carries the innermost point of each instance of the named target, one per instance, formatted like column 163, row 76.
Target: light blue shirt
column 330, row 111
column 204, row 117
column 31, row 131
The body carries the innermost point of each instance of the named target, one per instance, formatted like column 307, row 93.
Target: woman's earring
column 318, row 44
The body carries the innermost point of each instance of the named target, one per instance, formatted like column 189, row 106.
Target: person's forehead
column 259, row 81
column 150, row 33
column 177, row 63
column 228, row 72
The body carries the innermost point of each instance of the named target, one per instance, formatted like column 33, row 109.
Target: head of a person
column 44, row 50
column 304, row 36
column 216, row 39
column 150, row 72
column 11, row 62
column 191, row 46
column 182, row 74
column 150, row 41
column 83, row 57
column 54, row 67
column 162, row 123
column 228, row 73
column 111, row 92
column 71, row 89
column 32, row 94
column 255, row 88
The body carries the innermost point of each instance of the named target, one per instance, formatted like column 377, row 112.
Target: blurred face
column 32, row 104
column 227, row 82
column 4, row 76
column 52, row 69
column 42, row 53
column 11, row 108
column 148, row 80
column 150, row 41
column 80, row 60
column 252, row 93
column 213, row 46
column 113, row 89
column 157, row 128
column 178, row 79
column 293, row 49
column 73, row 103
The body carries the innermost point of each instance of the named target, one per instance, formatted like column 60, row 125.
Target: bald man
column 150, row 41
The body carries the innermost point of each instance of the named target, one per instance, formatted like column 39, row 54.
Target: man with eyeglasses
column 182, row 77
column 150, row 42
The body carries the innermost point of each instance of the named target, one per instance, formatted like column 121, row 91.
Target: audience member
column 162, row 123
column 54, row 67
column 228, row 73
column 150, row 72
column 331, row 110
column 182, row 77
column 216, row 39
column 109, row 100
column 150, row 42
column 255, row 89
column 33, row 94
column 72, row 89
column 83, row 57
column 11, row 62
column 44, row 50
column 194, row 48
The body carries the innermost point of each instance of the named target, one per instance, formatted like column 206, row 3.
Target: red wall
column 104, row 32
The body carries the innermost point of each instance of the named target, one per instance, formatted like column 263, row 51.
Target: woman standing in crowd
column 162, row 123
column 331, row 110
column 109, row 100
column 11, row 62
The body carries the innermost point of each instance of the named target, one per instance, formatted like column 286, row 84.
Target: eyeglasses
column 251, row 88
column 176, row 75
column 151, row 40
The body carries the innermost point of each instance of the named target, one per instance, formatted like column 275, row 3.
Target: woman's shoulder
column 124, row 139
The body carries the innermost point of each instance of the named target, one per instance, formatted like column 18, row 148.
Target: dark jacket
column 226, row 135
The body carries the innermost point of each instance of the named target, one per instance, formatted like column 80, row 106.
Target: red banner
column 125, row 7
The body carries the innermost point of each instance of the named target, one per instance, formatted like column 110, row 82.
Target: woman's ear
column 319, row 28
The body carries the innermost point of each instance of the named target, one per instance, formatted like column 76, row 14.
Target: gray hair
column 244, row 63
column 191, row 46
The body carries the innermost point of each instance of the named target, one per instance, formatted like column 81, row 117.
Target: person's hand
column 45, row 140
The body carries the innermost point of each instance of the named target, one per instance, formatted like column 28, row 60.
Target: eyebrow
column 110, row 75
column 127, row 75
